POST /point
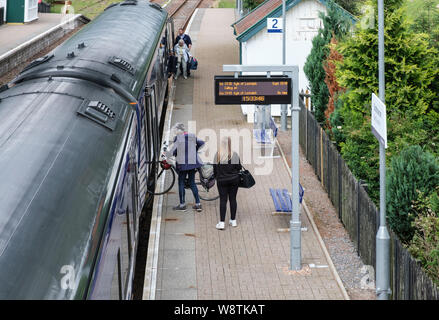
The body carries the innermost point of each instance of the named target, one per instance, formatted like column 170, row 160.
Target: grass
column 227, row 4
column 89, row 8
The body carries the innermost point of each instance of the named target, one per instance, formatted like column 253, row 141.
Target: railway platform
column 188, row 258
column 11, row 35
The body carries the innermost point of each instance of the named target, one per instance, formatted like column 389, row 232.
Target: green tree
column 353, row 6
column 251, row 4
column 411, row 172
column 424, row 15
column 336, row 25
column 424, row 245
column 411, row 74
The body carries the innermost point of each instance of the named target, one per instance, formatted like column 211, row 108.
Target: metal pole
column 239, row 7
column 241, row 12
column 382, row 237
column 284, row 111
column 295, row 224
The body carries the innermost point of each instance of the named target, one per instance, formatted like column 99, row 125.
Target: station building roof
column 256, row 20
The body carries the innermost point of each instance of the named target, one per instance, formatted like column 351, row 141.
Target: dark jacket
column 227, row 172
column 185, row 149
column 185, row 38
column 172, row 64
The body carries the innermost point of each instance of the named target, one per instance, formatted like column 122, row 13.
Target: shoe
column 233, row 223
column 198, row 207
column 185, row 77
column 175, row 77
column 180, row 208
column 220, row 225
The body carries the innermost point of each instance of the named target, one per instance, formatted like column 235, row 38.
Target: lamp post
column 382, row 237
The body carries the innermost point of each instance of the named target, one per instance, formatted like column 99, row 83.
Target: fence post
column 358, row 216
column 339, row 187
column 321, row 155
column 407, row 278
column 329, row 173
column 306, row 131
column 395, row 284
column 316, row 130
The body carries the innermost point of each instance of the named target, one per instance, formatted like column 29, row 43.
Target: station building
column 18, row 11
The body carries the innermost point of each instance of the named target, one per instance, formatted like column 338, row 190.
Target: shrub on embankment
column 335, row 26
column 413, row 177
column 412, row 104
column 412, row 101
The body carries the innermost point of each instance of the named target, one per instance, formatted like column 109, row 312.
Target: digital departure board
column 252, row 90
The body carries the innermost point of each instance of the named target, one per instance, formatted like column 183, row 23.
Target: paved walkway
column 11, row 36
column 196, row 261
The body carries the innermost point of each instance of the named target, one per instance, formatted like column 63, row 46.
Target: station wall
column 302, row 24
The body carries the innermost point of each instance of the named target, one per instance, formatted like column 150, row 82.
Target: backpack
column 206, row 171
column 193, row 63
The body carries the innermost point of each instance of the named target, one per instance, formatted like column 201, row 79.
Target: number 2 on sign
column 275, row 21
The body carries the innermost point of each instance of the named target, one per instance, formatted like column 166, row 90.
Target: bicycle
column 205, row 191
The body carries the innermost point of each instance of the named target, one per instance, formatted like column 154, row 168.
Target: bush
column 351, row 6
column 425, row 243
column 251, row 4
column 411, row 102
column 412, row 172
column 335, row 25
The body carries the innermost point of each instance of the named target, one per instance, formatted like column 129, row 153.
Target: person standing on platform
column 182, row 36
column 188, row 42
column 227, row 166
column 185, row 149
column 182, row 53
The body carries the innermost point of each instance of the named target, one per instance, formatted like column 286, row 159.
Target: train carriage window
column 148, row 130
column 118, row 274
column 151, row 127
column 134, row 199
column 153, row 112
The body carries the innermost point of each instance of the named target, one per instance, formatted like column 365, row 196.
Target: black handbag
column 246, row 179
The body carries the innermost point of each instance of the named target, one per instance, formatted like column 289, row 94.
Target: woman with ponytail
column 227, row 166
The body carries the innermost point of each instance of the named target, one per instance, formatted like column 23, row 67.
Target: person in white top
column 182, row 53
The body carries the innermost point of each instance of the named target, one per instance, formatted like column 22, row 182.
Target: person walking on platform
column 182, row 53
column 188, row 42
column 185, row 149
column 227, row 166
column 182, row 36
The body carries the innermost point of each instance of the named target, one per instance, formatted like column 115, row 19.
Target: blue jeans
column 181, row 182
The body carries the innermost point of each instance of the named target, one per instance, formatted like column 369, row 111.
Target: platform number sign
column 274, row 25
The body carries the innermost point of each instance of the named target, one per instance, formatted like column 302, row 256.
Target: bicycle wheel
column 206, row 194
column 168, row 183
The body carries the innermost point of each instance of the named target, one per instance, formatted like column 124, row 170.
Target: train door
column 155, row 128
column 171, row 33
column 116, row 269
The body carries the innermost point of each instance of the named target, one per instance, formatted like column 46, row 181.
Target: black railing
column 44, row 7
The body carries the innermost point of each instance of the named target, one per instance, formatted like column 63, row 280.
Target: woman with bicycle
column 185, row 149
column 227, row 166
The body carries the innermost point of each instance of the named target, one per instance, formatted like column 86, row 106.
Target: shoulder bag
column 246, row 179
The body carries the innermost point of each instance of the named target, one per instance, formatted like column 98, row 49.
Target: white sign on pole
column 379, row 125
column 274, row 25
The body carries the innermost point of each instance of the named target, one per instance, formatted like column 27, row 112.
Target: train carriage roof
column 117, row 48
